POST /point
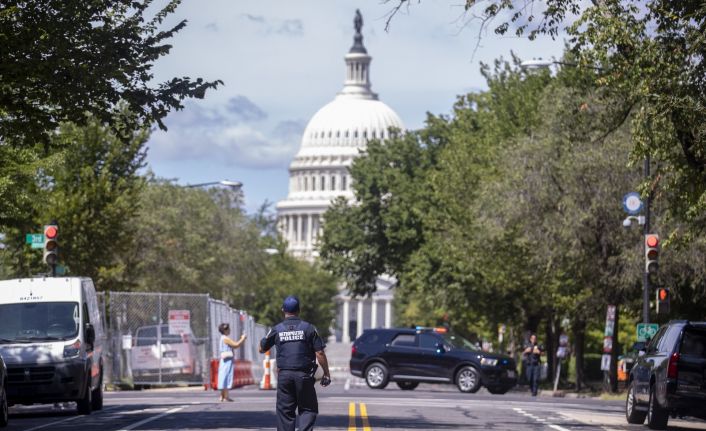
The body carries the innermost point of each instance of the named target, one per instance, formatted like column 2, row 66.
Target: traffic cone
column 266, row 382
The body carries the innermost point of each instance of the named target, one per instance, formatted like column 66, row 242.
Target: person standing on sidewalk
column 532, row 357
column 299, row 346
column 225, row 365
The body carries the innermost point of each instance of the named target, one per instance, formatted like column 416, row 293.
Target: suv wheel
column 497, row 391
column 407, row 386
column 376, row 376
column 656, row 415
column 468, row 380
column 3, row 408
column 633, row 415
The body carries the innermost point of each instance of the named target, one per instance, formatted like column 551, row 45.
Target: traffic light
column 663, row 297
column 651, row 253
column 51, row 244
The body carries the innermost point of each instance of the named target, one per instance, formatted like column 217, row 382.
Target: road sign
column 646, row 331
column 632, row 204
column 179, row 322
column 605, row 362
column 36, row 240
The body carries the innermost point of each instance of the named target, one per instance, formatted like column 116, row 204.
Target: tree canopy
column 63, row 58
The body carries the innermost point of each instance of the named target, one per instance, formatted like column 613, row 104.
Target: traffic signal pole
column 646, row 231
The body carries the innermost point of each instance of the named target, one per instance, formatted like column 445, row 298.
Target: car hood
column 34, row 353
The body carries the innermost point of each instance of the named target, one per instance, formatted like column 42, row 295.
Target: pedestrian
column 531, row 356
column 226, row 364
column 299, row 346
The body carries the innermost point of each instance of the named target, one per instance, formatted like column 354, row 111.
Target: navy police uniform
column 296, row 341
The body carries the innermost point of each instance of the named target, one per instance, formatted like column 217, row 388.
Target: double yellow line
column 363, row 417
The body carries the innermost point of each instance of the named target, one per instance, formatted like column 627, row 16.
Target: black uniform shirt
column 532, row 358
column 296, row 341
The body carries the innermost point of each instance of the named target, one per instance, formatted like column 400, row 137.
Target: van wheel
column 3, row 408
column 376, row 376
column 633, row 415
column 468, row 380
column 97, row 395
column 407, row 386
column 657, row 416
column 83, row 406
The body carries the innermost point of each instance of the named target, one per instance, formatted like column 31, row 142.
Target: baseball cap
column 290, row 304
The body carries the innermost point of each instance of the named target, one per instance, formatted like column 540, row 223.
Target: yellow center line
column 351, row 417
column 364, row 417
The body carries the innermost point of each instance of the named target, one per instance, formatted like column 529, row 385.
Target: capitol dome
column 319, row 173
column 335, row 135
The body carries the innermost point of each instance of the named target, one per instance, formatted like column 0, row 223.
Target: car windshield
column 147, row 336
column 458, row 341
column 44, row 321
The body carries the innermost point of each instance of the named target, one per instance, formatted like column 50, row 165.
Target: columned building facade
column 333, row 138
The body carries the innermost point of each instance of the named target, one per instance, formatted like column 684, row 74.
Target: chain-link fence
column 170, row 338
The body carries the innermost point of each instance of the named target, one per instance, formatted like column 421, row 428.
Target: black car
column 669, row 378
column 428, row 355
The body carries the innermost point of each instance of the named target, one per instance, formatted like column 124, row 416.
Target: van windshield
column 43, row 321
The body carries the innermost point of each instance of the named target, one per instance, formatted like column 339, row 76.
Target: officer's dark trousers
column 533, row 372
column 295, row 390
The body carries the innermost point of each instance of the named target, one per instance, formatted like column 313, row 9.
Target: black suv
column 669, row 377
column 430, row 355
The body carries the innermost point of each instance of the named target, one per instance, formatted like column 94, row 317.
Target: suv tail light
column 672, row 366
column 353, row 350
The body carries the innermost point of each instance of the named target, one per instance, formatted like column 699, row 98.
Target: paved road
column 427, row 408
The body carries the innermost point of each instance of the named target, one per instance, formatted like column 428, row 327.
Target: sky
column 282, row 60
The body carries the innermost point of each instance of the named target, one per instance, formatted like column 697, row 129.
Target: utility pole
column 645, row 231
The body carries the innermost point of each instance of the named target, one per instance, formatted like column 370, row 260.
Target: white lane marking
column 153, row 418
column 540, row 420
column 347, row 385
column 72, row 418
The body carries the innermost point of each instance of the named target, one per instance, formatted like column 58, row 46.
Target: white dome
column 348, row 121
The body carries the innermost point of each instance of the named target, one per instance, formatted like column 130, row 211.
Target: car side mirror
column 90, row 334
column 440, row 348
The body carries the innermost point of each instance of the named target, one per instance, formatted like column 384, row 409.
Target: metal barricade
column 170, row 338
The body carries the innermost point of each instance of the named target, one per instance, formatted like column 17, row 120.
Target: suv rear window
column 369, row 338
column 404, row 340
column 694, row 344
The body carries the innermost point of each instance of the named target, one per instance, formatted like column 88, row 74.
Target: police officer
column 299, row 346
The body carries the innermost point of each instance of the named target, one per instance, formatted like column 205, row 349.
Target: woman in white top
column 226, row 365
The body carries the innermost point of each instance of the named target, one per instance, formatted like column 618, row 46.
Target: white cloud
column 232, row 134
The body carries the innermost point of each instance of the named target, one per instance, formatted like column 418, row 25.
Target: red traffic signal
column 663, row 299
column 651, row 253
column 51, row 245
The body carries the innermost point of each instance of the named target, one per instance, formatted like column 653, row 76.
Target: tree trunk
column 549, row 344
column 579, row 329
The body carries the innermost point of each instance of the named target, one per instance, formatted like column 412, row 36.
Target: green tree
column 61, row 59
column 90, row 189
column 285, row 275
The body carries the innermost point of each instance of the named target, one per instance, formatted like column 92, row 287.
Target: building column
column 388, row 313
column 299, row 228
column 374, row 313
column 359, row 318
column 346, row 336
column 288, row 229
column 310, row 232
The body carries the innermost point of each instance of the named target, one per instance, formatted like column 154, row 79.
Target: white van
column 171, row 355
column 52, row 338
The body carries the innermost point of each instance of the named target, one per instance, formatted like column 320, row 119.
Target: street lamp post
column 232, row 184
